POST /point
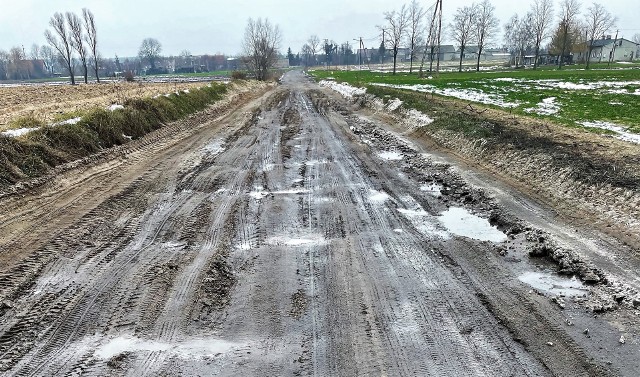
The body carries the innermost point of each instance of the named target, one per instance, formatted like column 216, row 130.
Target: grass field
column 600, row 99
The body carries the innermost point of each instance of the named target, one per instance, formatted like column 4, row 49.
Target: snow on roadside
column 548, row 106
column 18, row 132
column 622, row 132
column 393, row 104
column 115, row 107
column 473, row 95
column 345, row 90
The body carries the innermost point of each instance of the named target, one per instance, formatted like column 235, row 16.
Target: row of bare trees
column 415, row 28
column 571, row 33
column 70, row 35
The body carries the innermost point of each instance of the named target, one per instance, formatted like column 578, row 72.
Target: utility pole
column 439, row 6
column 613, row 50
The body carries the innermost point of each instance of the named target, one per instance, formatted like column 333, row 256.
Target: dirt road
column 289, row 236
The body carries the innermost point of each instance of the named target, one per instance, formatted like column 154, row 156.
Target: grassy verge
column 579, row 95
column 586, row 165
column 35, row 153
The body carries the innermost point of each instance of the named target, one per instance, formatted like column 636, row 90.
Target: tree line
column 420, row 31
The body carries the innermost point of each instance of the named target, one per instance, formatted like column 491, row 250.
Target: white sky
column 217, row 26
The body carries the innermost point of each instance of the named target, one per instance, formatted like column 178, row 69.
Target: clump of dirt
column 217, row 284
column 291, row 121
column 299, row 304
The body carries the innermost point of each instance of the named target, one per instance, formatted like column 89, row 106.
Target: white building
column 615, row 49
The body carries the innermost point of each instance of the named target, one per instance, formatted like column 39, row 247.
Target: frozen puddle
column 462, row 223
column 390, row 156
column 551, row 283
column 190, row 349
column 261, row 193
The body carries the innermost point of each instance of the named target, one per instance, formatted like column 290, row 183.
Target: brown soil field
column 44, row 102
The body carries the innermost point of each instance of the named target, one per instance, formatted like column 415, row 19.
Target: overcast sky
column 210, row 26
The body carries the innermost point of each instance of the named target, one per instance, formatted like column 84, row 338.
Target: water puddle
column 462, row 223
column 390, row 156
column 190, row 349
column 432, row 189
column 554, row 284
column 423, row 222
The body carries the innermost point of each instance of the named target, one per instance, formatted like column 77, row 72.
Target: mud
column 275, row 236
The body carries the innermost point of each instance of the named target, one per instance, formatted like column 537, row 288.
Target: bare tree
column 50, row 58
column 462, row 28
column 261, row 44
column 314, row 45
column 61, row 42
column 597, row 22
column 486, row 25
column 77, row 41
column 307, row 54
column 542, row 11
column 397, row 23
column 519, row 36
column 150, row 50
column 569, row 11
column 415, row 30
column 636, row 38
column 92, row 39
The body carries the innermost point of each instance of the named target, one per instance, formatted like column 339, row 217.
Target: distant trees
column 597, row 21
column 60, row 40
column 462, row 29
column 396, row 27
column 150, row 50
column 314, row 45
column 542, row 16
column 261, row 44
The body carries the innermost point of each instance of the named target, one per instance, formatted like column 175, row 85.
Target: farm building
column 607, row 48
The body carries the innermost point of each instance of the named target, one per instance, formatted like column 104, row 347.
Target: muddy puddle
column 551, row 283
column 461, row 222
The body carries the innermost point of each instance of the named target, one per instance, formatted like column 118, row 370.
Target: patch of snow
column 115, row 107
column 345, row 90
column 390, row 156
column 377, row 196
column 68, row 121
column 18, row 132
column 214, row 147
column 394, row 104
column 433, row 189
column 416, row 119
column 548, row 106
column 473, row 95
column 622, row 132
column 312, row 239
column 196, row 348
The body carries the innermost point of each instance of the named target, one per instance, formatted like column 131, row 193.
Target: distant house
column 607, row 48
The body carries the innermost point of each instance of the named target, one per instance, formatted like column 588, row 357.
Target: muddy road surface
column 289, row 236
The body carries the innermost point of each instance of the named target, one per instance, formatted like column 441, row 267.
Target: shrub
column 239, row 75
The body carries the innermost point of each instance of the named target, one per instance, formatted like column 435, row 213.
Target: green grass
column 575, row 105
column 35, row 153
column 197, row 74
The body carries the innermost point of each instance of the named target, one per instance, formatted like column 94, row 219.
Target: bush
column 129, row 77
column 238, row 75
